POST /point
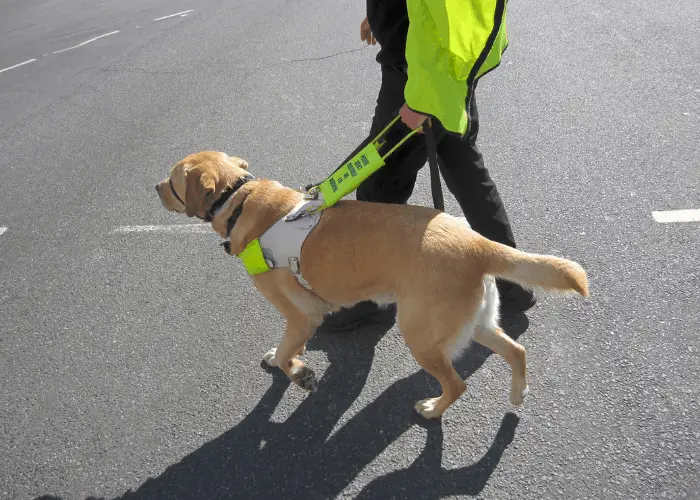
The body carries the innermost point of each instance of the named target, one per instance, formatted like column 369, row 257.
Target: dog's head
column 198, row 180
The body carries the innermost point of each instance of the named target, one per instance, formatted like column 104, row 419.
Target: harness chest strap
column 280, row 246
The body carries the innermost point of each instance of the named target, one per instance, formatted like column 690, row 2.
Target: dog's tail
column 529, row 269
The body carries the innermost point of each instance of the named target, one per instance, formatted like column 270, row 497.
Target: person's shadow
column 297, row 459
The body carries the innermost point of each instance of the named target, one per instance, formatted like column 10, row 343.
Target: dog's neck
column 265, row 203
column 227, row 195
column 228, row 213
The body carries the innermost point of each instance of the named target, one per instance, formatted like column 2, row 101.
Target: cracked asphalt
column 129, row 361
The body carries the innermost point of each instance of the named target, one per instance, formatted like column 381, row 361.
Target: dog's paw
column 269, row 359
column 426, row 408
column 517, row 396
column 306, row 379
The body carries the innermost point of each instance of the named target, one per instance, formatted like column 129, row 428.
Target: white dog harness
column 280, row 246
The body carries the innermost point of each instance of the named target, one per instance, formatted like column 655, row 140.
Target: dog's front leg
column 284, row 356
column 303, row 313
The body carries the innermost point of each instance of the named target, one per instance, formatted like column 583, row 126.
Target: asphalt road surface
column 130, row 342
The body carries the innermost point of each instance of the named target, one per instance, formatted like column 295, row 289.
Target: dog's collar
column 218, row 204
column 225, row 196
column 235, row 215
column 230, row 223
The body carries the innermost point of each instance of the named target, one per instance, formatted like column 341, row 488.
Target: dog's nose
column 156, row 188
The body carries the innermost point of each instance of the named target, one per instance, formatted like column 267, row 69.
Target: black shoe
column 358, row 316
column 514, row 297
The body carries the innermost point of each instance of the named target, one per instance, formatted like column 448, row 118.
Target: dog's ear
column 199, row 190
column 239, row 161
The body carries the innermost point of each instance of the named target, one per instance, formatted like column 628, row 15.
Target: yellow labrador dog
column 438, row 271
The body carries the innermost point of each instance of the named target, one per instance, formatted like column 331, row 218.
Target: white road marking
column 87, row 41
column 173, row 15
column 2, row 230
column 181, row 14
column 17, row 65
column 677, row 216
column 174, row 228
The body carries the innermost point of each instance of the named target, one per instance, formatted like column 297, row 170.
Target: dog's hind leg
column 439, row 365
column 429, row 330
column 514, row 353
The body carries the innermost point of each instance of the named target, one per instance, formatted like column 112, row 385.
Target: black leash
column 435, row 185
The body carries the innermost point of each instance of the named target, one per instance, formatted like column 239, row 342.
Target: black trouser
column 460, row 161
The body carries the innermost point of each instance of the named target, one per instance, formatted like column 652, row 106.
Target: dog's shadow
column 297, row 458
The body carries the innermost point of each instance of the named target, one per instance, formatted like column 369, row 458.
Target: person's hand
column 366, row 33
column 412, row 119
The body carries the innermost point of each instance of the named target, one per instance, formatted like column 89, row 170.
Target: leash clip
column 306, row 209
column 311, row 192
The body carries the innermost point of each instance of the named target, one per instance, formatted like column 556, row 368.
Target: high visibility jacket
column 449, row 45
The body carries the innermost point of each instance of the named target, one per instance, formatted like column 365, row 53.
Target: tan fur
column 434, row 266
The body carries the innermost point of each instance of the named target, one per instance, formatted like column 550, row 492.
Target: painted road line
column 174, row 228
column 668, row 216
column 87, row 41
column 2, row 230
column 17, row 65
column 173, row 15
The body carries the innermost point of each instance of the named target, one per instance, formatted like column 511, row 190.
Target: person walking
column 432, row 54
